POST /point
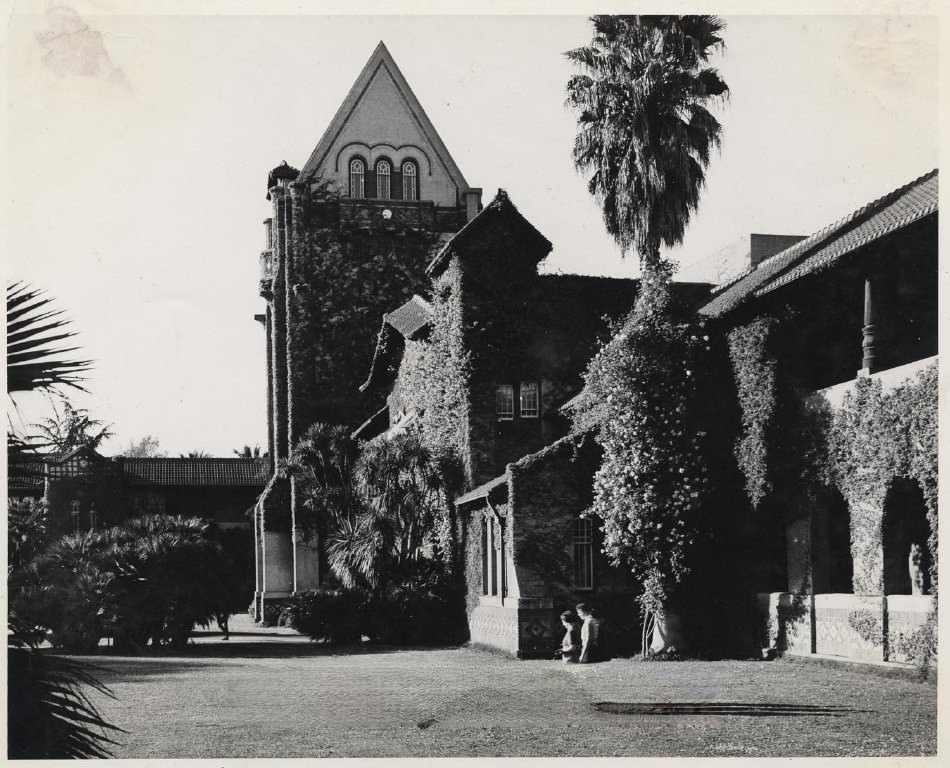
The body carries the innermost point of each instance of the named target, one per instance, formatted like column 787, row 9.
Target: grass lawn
column 292, row 699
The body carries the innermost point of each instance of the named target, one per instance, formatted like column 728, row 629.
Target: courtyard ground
column 270, row 693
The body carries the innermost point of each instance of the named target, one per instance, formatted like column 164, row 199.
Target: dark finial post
column 870, row 328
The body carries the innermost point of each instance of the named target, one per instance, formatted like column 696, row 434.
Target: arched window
column 357, row 176
column 410, row 177
column 382, row 180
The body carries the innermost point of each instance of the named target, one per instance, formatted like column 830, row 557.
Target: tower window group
column 380, row 184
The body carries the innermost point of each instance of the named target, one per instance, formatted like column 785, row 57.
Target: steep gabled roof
column 411, row 317
column 408, row 321
column 499, row 209
column 483, row 491
column 381, row 58
column 373, row 426
column 821, row 250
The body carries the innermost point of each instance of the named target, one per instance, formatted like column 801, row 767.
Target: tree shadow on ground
column 722, row 708
column 260, row 650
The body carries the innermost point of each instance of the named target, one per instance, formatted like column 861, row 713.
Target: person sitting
column 592, row 639
column 570, row 650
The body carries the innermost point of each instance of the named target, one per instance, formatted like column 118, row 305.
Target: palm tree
column 644, row 127
column 246, row 452
column 68, row 428
column 32, row 327
column 49, row 714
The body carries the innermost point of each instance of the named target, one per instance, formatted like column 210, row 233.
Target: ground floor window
column 583, row 544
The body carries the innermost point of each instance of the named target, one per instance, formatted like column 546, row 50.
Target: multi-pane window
column 357, row 179
column 486, row 538
column 74, row 514
column 382, row 180
column 409, row 176
column 491, row 543
column 582, row 538
column 505, row 402
column 529, row 399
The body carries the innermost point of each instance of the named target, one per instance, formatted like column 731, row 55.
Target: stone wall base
column 269, row 605
column 522, row 627
column 870, row 628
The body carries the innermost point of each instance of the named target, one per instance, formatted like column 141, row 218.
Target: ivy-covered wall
column 346, row 267
column 435, row 374
column 797, row 450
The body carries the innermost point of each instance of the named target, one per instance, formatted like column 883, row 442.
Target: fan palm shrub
column 151, row 580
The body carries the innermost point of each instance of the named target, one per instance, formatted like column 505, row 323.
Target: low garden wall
column 855, row 627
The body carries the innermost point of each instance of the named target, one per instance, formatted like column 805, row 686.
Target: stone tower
column 349, row 238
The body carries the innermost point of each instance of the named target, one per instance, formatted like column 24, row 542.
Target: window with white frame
column 409, row 177
column 529, row 399
column 505, row 402
column 357, row 178
column 382, row 180
column 582, row 538
column 486, row 539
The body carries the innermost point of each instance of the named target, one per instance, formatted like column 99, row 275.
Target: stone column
column 278, row 317
column 269, row 326
column 306, row 552
column 258, row 562
column 278, row 570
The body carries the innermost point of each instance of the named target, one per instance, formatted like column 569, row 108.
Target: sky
column 139, row 146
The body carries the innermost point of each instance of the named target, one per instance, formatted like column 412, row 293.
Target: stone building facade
column 350, row 234
column 483, row 354
column 483, row 367
column 854, row 320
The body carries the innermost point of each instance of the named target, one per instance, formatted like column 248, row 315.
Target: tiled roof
column 500, row 206
column 901, row 207
column 198, row 472
column 411, row 317
column 25, row 474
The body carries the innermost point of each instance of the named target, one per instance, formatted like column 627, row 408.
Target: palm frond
column 34, row 348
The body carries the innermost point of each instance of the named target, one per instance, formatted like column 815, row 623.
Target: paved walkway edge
column 882, row 668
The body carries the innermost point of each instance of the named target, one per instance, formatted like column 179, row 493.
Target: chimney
column 763, row 246
column 473, row 202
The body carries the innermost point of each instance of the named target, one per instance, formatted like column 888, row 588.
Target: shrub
column 424, row 609
column 27, row 533
column 153, row 579
column 327, row 615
